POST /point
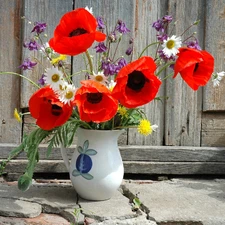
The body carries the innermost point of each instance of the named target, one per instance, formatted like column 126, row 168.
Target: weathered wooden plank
column 131, row 167
column 49, row 11
column 213, row 129
column 10, row 25
column 183, row 108
column 147, row 12
column 213, row 98
column 141, row 153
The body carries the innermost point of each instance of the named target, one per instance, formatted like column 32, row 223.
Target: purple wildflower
column 101, row 24
column 162, row 37
column 167, row 18
column 27, row 65
column 100, row 47
column 122, row 62
column 193, row 44
column 158, row 25
column 41, row 81
column 165, row 57
column 39, row 27
column 129, row 51
column 108, row 68
column 32, row 45
column 121, row 27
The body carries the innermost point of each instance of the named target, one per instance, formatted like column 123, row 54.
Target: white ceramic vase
column 96, row 168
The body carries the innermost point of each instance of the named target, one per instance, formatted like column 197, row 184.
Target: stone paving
column 169, row 202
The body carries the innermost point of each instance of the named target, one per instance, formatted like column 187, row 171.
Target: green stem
column 20, row 75
column 154, row 43
column 169, row 75
column 164, row 67
column 81, row 71
column 89, row 61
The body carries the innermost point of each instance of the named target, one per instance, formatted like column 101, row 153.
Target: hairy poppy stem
column 20, row 75
column 89, row 61
column 154, row 43
column 164, row 67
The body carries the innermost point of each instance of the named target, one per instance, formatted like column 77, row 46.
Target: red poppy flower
column 75, row 33
column 48, row 110
column 95, row 102
column 194, row 66
column 136, row 83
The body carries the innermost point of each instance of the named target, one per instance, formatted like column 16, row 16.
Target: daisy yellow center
column 69, row 94
column 99, row 78
column 55, row 77
column 170, row 44
column 144, row 127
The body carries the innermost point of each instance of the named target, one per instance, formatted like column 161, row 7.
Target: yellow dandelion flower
column 17, row 115
column 60, row 58
column 122, row 111
column 144, row 127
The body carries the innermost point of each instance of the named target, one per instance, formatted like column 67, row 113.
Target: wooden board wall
column 10, row 58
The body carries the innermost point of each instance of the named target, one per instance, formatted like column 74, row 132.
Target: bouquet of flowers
column 115, row 87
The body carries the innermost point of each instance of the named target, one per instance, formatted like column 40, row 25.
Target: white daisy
column 67, row 94
column 171, row 45
column 217, row 77
column 100, row 77
column 54, row 78
column 154, row 127
column 111, row 85
column 89, row 9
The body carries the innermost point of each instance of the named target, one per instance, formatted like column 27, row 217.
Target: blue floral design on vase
column 84, row 161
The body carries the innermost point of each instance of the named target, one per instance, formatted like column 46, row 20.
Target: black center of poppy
column 56, row 110
column 77, row 32
column 136, row 80
column 196, row 67
column 94, row 98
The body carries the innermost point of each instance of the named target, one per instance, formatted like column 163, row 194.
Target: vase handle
column 65, row 157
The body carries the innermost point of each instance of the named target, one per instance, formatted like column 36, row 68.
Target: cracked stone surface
column 199, row 201
column 18, row 208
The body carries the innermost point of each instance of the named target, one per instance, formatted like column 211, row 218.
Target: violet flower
column 167, row 18
column 122, row 62
column 193, row 44
column 27, row 64
column 100, row 47
column 39, row 27
column 108, row 68
column 121, row 27
column 165, row 57
column 158, row 25
column 129, row 51
column 41, row 81
column 162, row 37
column 32, row 45
column 101, row 24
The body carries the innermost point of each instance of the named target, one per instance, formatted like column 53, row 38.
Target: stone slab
column 181, row 200
column 18, row 208
column 117, row 207
column 42, row 219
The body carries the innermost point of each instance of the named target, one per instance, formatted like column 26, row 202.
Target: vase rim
column 103, row 131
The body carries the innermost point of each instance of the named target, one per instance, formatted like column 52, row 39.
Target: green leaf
column 91, row 152
column 24, row 182
column 87, row 176
column 76, row 173
column 85, row 145
column 137, row 202
column 80, row 149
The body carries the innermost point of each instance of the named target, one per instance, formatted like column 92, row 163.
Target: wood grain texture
column 49, row 11
column 131, row 167
column 10, row 38
column 147, row 12
column 213, row 97
column 141, row 153
column 213, row 129
column 183, row 108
